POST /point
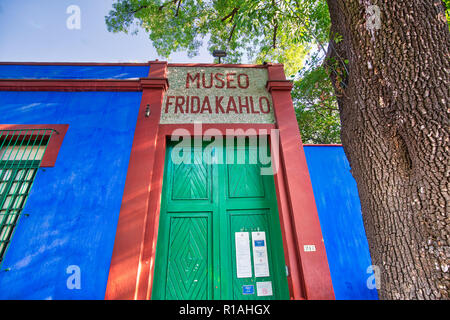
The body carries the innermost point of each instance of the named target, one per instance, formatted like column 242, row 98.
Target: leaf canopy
column 283, row 31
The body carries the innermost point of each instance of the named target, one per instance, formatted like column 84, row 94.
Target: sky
column 37, row 31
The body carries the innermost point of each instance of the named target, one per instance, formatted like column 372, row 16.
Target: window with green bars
column 21, row 153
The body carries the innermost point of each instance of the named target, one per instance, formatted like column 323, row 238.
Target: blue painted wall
column 74, row 206
column 340, row 217
column 72, row 72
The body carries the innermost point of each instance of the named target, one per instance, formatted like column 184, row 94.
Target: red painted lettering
column 189, row 78
column 179, row 101
column 252, row 106
column 210, row 81
column 231, row 102
column 219, row 104
column 230, row 79
column 206, row 102
column 219, row 77
column 261, row 104
column 245, row 83
column 243, row 105
column 168, row 103
column 197, row 109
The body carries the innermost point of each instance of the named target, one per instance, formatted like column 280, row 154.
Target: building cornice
column 82, row 85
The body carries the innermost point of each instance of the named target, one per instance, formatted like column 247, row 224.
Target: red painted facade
column 132, row 265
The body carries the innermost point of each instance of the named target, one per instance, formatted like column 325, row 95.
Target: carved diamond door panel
column 188, row 259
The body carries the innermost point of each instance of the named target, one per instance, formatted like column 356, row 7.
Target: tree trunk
column 393, row 95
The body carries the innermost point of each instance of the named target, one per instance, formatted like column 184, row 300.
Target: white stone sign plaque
column 217, row 95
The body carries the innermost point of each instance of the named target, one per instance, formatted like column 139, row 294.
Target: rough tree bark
column 394, row 103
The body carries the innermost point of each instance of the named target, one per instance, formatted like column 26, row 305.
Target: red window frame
column 54, row 144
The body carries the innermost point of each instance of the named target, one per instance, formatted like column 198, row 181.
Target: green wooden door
column 205, row 208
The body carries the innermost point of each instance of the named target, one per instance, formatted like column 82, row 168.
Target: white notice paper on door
column 243, row 259
column 260, row 259
column 264, row 288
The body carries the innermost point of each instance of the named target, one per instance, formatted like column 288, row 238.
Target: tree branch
column 274, row 41
column 167, row 3
column 231, row 14
column 231, row 32
column 300, row 19
column 274, row 45
column 178, row 8
column 138, row 9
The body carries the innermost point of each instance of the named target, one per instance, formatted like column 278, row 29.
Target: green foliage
column 283, row 31
column 316, row 107
column 260, row 29
column 447, row 12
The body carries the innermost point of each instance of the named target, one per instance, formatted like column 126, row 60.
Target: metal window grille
column 21, row 152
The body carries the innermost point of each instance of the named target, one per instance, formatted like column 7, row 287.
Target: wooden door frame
column 191, row 131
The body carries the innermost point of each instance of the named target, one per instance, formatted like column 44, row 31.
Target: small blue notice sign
column 259, row 243
column 248, row 289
